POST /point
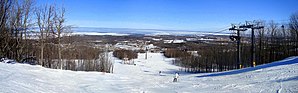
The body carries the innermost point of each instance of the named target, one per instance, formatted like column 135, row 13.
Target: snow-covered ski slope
column 280, row 76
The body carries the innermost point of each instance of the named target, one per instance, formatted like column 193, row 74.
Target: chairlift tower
column 238, row 39
column 252, row 27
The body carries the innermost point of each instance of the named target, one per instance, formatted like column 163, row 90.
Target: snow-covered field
column 281, row 76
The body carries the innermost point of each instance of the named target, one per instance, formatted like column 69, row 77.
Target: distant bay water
column 132, row 31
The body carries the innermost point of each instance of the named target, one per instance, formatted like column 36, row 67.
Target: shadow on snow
column 295, row 78
column 287, row 61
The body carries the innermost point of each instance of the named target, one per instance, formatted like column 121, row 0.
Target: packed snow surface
column 144, row 77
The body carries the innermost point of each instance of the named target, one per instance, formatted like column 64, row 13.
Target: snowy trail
column 277, row 77
column 145, row 72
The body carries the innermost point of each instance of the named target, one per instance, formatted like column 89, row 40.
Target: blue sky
column 204, row 15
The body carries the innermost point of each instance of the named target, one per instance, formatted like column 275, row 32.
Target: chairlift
column 233, row 36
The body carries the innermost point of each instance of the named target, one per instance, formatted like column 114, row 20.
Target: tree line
column 123, row 53
column 27, row 30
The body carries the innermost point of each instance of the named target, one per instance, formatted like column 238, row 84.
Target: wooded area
column 122, row 53
column 40, row 32
column 275, row 42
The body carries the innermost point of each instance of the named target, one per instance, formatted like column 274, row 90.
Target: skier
column 176, row 77
column 159, row 73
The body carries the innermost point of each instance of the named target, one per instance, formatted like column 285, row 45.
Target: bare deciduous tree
column 293, row 25
column 59, row 20
column 15, row 19
column 5, row 6
column 44, row 17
